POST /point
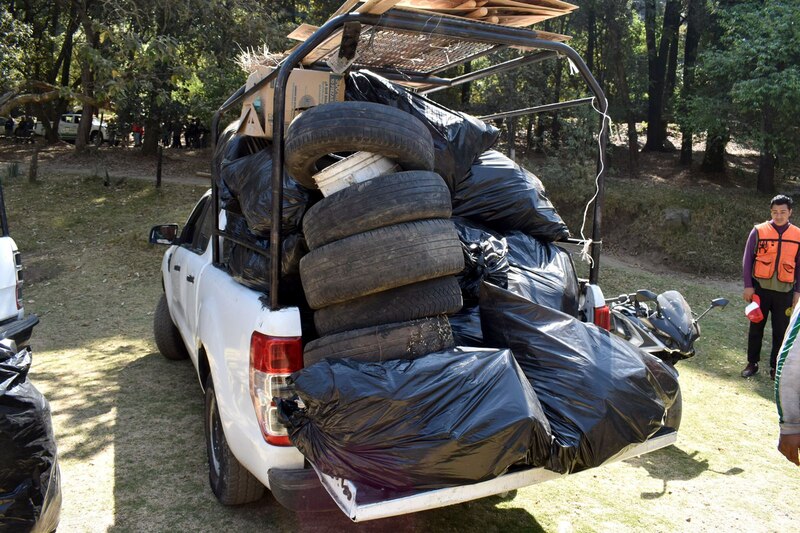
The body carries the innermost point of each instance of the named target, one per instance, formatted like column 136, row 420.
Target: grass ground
column 129, row 422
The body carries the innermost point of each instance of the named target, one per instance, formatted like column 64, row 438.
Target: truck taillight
column 18, row 268
column 272, row 361
column 602, row 317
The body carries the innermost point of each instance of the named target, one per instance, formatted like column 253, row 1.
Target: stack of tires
column 379, row 273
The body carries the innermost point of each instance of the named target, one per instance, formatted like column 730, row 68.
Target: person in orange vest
column 770, row 270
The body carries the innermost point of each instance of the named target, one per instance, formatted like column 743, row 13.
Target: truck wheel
column 380, row 260
column 168, row 338
column 405, row 340
column 379, row 202
column 350, row 126
column 96, row 138
column 440, row 296
column 231, row 483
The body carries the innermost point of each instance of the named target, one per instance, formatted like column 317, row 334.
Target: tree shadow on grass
column 161, row 471
column 674, row 464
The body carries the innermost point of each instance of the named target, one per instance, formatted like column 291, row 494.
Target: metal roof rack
column 414, row 49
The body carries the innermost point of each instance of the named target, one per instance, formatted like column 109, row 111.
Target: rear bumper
column 299, row 490
column 19, row 330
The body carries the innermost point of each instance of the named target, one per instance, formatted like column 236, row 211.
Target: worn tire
column 352, row 126
column 440, row 296
column 231, row 483
column 405, row 340
column 168, row 338
column 380, row 260
column 376, row 203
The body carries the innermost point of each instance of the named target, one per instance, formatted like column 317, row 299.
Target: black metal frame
column 465, row 29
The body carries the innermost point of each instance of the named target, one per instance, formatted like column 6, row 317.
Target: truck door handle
column 177, row 268
column 190, row 279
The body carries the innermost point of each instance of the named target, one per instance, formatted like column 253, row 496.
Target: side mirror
column 719, row 302
column 643, row 295
column 164, row 234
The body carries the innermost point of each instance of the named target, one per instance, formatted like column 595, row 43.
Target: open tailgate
column 363, row 503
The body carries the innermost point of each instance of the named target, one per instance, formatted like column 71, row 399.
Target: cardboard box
column 305, row 89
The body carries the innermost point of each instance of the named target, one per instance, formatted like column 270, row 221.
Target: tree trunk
column 766, row 162
column 465, row 89
column 529, row 135
column 85, row 127
column 555, row 127
column 591, row 36
column 152, row 133
column 694, row 21
column 714, row 158
column 657, row 69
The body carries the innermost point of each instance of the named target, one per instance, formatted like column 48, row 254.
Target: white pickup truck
column 244, row 344
column 68, row 128
column 14, row 324
column 243, row 352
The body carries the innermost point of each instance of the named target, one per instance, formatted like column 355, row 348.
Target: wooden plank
column 521, row 22
column 345, row 7
column 508, row 11
column 377, row 7
column 302, row 32
column 553, row 4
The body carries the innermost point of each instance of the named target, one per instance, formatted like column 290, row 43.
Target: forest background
column 716, row 70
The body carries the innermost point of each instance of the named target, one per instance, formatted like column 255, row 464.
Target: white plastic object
column 357, row 168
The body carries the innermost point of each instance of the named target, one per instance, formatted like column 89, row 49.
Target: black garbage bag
column 499, row 193
column 485, row 258
column 466, row 326
column 449, row 418
column 30, row 491
column 542, row 272
column 596, row 390
column 537, row 270
column 251, row 268
column 458, row 138
column 248, row 178
column 229, row 146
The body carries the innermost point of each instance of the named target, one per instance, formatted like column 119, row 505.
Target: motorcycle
column 662, row 325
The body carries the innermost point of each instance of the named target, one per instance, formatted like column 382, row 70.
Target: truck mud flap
column 362, row 503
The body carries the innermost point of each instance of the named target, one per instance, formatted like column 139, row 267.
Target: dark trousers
column 778, row 305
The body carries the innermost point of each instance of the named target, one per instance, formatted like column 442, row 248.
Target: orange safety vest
column 774, row 249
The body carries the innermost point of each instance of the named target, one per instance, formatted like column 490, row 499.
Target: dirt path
column 177, row 165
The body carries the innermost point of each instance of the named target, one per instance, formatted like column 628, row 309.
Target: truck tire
column 379, row 260
column 96, row 138
column 351, row 126
column 440, row 296
column 231, row 483
column 168, row 338
column 376, row 203
column 404, row 340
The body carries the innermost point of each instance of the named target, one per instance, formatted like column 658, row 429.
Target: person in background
column 138, row 133
column 770, row 270
column 787, row 392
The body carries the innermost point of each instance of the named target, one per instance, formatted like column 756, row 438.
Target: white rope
column 584, row 253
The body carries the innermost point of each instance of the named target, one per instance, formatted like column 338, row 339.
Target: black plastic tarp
column 30, row 493
column 449, row 418
column 499, row 193
column 596, row 390
column 246, row 177
column 458, row 138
